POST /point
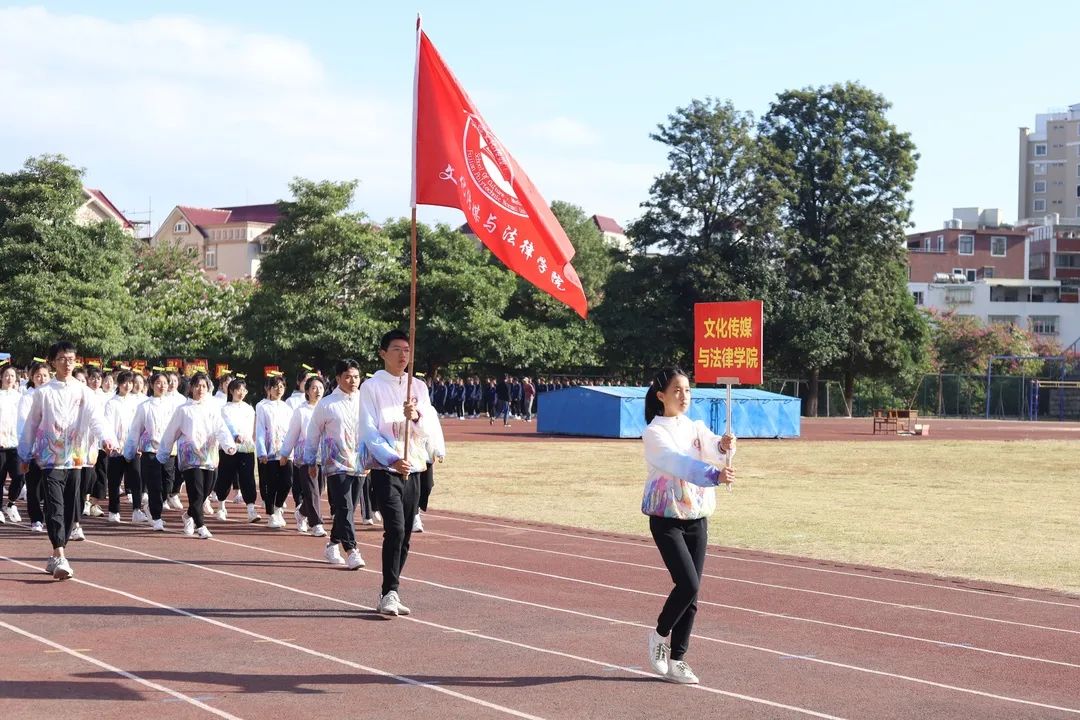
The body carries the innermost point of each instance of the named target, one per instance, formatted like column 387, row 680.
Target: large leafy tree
column 186, row 313
column 61, row 279
column 327, row 282
column 844, row 173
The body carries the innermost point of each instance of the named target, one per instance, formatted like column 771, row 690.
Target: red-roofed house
column 98, row 208
column 226, row 241
column 612, row 231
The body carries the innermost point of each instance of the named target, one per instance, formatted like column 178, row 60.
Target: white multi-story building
column 1049, row 177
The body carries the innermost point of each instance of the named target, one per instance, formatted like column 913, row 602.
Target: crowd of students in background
column 503, row 397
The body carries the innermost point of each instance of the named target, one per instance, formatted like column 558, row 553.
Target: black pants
column 158, row 480
column 344, row 494
column 198, row 482
column 237, row 470
column 276, row 480
column 63, row 503
column 9, row 465
column 367, row 498
column 100, row 478
column 398, row 499
column 177, row 477
column 120, row 469
column 682, row 545
column 35, row 494
column 299, row 482
column 311, row 500
column 427, row 483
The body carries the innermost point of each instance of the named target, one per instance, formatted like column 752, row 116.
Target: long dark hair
column 660, row 383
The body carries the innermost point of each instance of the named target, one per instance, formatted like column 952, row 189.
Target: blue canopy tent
column 619, row 412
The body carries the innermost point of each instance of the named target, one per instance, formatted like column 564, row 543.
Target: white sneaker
column 222, row 514
column 355, row 562
column 204, row 533
column 12, row 513
column 63, row 570
column 212, row 497
column 145, row 503
column 96, row 511
column 138, row 517
column 367, row 521
column 333, row 554
column 658, row 653
column 37, row 527
column 130, row 500
column 159, row 525
column 318, row 531
column 276, row 521
column 680, row 672
column 3, row 520
column 50, row 566
column 77, row 533
column 189, row 526
column 390, row 604
column 417, row 524
column 86, row 507
column 238, row 498
column 253, row 514
column 115, row 518
column 22, row 495
column 207, row 508
column 377, row 516
column 302, row 526
column 174, row 502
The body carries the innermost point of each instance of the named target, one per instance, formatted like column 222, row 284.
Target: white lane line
column 732, row 558
column 444, row 628
column 886, row 603
column 123, row 673
column 325, row 656
column 771, row 651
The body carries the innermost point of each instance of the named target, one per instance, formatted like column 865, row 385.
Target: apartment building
column 1049, row 170
column 227, row 242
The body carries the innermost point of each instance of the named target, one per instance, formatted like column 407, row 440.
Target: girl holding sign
column 685, row 463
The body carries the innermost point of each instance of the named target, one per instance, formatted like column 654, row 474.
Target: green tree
column 61, row 279
column 186, row 313
column 327, row 282
column 844, row 173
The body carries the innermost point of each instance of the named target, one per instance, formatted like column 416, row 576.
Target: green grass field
column 1008, row 512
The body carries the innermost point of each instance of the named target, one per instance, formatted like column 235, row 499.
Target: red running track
column 509, row 620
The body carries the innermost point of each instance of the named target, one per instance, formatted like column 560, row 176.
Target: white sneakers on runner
column 12, row 513
column 114, row 518
column 355, row 561
column 680, row 672
column 138, row 517
column 159, row 525
column 38, row 527
column 189, row 525
column 333, row 554
column 277, row 520
column 222, row 514
column 318, row 531
column 417, row 524
column 77, row 533
column 390, row 604
column 253, row 514
column 658, row 653
column 174, row 502
column 62, row 570
column 204, row 533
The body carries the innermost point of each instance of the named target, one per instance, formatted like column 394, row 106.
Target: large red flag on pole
column 458, row 162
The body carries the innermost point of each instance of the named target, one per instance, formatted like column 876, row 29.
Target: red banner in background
column 270, row 371
column 220, row 369
column 197, row 365
column 174, row 364
column 728, row 342
column 139, row 366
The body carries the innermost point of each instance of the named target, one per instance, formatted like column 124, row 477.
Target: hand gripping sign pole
column 729, row 462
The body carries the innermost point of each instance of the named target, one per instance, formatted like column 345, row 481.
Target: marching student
column 119, row 413
column 309, row 512
column 332, row 436
column 681, row 456
column 143, row 442
column 138, row 385
column 178, row 397
column 63, row 415
column 298, row 398
column 37, row 376
column 272, row 418
column 9, row 442
column 387, row 413
column 198, row 431
column 222, row 394
column 294, row 401
column 239, row 468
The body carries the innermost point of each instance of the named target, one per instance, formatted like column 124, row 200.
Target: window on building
column 1067, row 260
column 940, row 243
column 971, row 274
column 998, row 246
column 191, row 251
column 1038, row 262
column 180, row 227
column 1040, row 186
column 1002, row 319
column 1043, row 324
column 958, row 271
column 919, row 298
column 1078, row 191
column 1039, row 168
column 958, row 296
column 1040, row 150
column 210, row 260
column 967, row 244
column 988, row 272
column 1038, row 205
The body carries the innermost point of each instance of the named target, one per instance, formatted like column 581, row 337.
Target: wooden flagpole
column 412, row 244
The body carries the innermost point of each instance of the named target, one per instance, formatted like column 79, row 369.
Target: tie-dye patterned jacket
column 332, row 435
column 271, row 424
column 198, row 431
column 63, row 426
column 152, row 416
column 295, row 443
column 678, row 454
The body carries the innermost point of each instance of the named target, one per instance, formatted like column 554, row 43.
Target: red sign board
column 221, row 369
column 139, row 366
column 271, row 370
column 727, row 342
column 197, row 365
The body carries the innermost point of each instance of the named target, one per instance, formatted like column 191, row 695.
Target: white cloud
column 564, row 131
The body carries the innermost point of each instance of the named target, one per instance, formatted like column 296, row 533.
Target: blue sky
column 222, row 103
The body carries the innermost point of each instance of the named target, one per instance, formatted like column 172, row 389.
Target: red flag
column 459, row 163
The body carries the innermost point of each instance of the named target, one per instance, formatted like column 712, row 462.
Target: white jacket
column 678, row 455
column 119, row 413
column 198, row 431
column 9, row 418
column 271, row 423
column 148, row 425
column 63, row 420
column 332, row 434
column 297, row 399
column 382, row 419
column 295, row 443
column 239, row 418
